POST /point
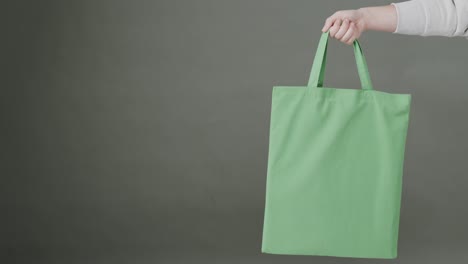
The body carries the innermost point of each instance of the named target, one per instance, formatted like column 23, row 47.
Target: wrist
column 380, row 18
column 364, row 18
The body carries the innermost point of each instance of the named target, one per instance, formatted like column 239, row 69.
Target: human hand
column 348, row 25
column 345, row 25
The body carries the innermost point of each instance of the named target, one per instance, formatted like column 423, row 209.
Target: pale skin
column 348, row 25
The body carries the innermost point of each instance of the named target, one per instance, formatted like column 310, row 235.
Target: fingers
column 350, row 35
column 335, row 27
column 328, row 23
column 345, row 32
column 343, row 25
column 342, row 30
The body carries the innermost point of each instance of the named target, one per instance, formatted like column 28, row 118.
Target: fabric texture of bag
column 335, row 166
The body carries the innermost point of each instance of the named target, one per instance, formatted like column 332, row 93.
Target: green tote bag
column 335, row 166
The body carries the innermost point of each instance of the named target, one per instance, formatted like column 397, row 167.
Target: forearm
column 432, row 17
column 419, row 17
column 379, row 18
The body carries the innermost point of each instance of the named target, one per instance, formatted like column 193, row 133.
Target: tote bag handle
column 318, row 67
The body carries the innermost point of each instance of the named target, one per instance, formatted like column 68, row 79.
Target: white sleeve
column 432, row 17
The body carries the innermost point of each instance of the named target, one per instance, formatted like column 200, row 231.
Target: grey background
column 137, row 131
